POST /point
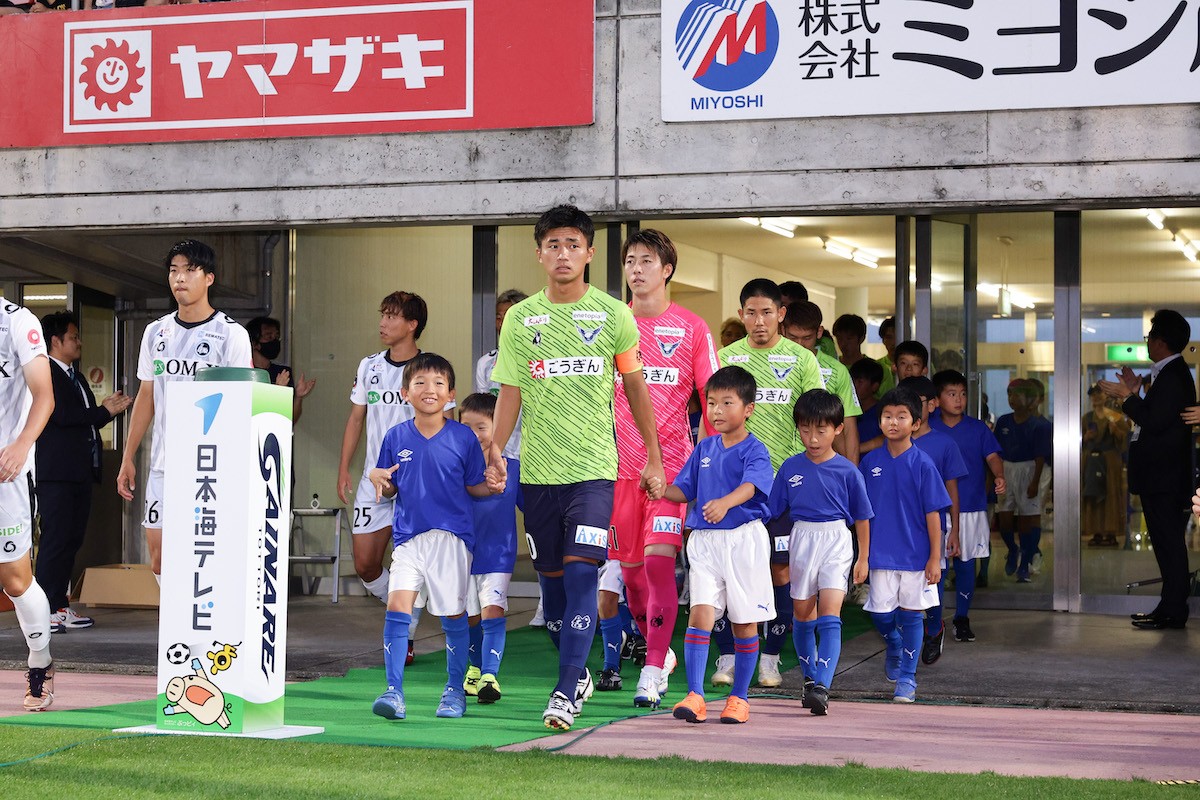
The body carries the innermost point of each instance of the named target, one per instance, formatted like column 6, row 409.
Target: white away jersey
column 20, row 343
column 173, row 351
column 485, row 384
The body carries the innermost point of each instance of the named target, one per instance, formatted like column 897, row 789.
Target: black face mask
column 270, row 350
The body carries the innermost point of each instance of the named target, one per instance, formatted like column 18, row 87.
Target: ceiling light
column 838, row 249
column 866, row 259
column 775, row 226
column 1156, row 217
column 750, row 220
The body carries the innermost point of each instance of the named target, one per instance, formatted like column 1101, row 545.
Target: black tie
column 74, row 375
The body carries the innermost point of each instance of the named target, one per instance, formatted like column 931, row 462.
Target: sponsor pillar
column 227, row 513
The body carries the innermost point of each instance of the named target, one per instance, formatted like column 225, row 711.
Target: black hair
column 1171, row 328
column 478, row 403
column 851, row 323
column 795, row 290
column 733, row 379
column 410, row 306
column 761, row 287
column 803, row 315
column 888, row 324
column 818, row 407
column 197, row 253
column 56, row 324
column 564, row 216
column 902, row 396
column 921, row 385
column 428, row 362
column 656, row 242
column 255, row 327
column 911, row 347
column 949, row 377
column 510, row 297
column 867, row 369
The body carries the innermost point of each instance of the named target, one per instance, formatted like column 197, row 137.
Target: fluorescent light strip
column 1155, row 217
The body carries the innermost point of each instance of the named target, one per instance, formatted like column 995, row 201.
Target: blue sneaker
column 906, row 691
column 389, row 705
column 454, row 702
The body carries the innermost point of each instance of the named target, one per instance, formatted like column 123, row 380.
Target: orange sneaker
column 691, row 708
column 736, row 711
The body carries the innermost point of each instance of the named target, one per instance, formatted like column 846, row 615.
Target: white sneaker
column 559, row 714
column 768, row 671
column 724, row 674
column 583, row 690
column 669, row 664
column 67, row 618
column 1035, row 563
column 647, row 695
column 539, row 617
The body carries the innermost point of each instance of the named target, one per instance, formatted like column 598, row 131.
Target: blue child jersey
column 975, row 443
column 1023, row 441
column 496, row 525
column 945, row 455
column 431, row 483
column 868, row 424
column 902, row 490
column 712, row 471
column 826, row 492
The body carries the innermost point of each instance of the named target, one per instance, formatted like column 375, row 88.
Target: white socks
column 412, row 626
column 33, row 615
column 379, row 586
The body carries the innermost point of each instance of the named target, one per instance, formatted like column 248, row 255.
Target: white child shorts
column 438, row 562
column 974, row 535
column 893, row 588
column 369, row 515
column 731, row 571
column 610, row 578
column 152, row 509
column 489, row 589
column 1017, row 475
column 16, row 519
column 820, row 557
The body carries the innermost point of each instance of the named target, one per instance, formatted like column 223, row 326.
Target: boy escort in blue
column 438, row 466
column 822, row 492
column 981, row 453
column 729, row 477
column 945, row 455
column 907, row 495
column 492, row 560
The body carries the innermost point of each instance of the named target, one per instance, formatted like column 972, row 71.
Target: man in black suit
column 68, row 463
column 1160, row 460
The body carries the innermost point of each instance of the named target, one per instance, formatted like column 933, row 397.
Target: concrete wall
column 628, row 163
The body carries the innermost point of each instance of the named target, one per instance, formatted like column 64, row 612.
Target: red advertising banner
column 272, row 68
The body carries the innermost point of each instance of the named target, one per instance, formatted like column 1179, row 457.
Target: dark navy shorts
column 780, row 530
column 567, row 520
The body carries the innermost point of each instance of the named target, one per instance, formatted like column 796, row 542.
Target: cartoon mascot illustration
column 196, row 695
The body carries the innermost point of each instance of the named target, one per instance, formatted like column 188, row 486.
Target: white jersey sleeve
column 358, row 390
column 27, row 336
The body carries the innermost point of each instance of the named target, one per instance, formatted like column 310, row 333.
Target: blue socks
column 475, row 653
column 886, row 624
column 933, row 616
column 804, row 636
column 578, row 621
column 395, row 647
column 829, row 649
column 776, row 629
column 722, row 632
column 458, row 640
column 610, row 631
column 964, row 587
column 494, row 635
column 554, row 602
column 627, row 624
column 745, row 652
column 695, row 658
column 911, row 630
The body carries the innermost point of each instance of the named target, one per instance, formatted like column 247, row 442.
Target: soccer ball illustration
column 178, row 653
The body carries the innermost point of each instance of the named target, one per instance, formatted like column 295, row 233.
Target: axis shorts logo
column 672, row 525
column 726, row 45
column 591, row 535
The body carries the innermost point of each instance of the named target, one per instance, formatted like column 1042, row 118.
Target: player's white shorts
column 610, row 577
column 974, row 536
column 152, row 511
column 489, row 589
column 731, row 571
column 893, row 588
column 371, row 516
column 16, row 519
column 820, row 557
column 440, row 563
column 1017, row 475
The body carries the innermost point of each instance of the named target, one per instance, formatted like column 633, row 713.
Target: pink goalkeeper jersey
column 678, row 354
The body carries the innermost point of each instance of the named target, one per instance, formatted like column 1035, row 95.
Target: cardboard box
column 119, row 586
